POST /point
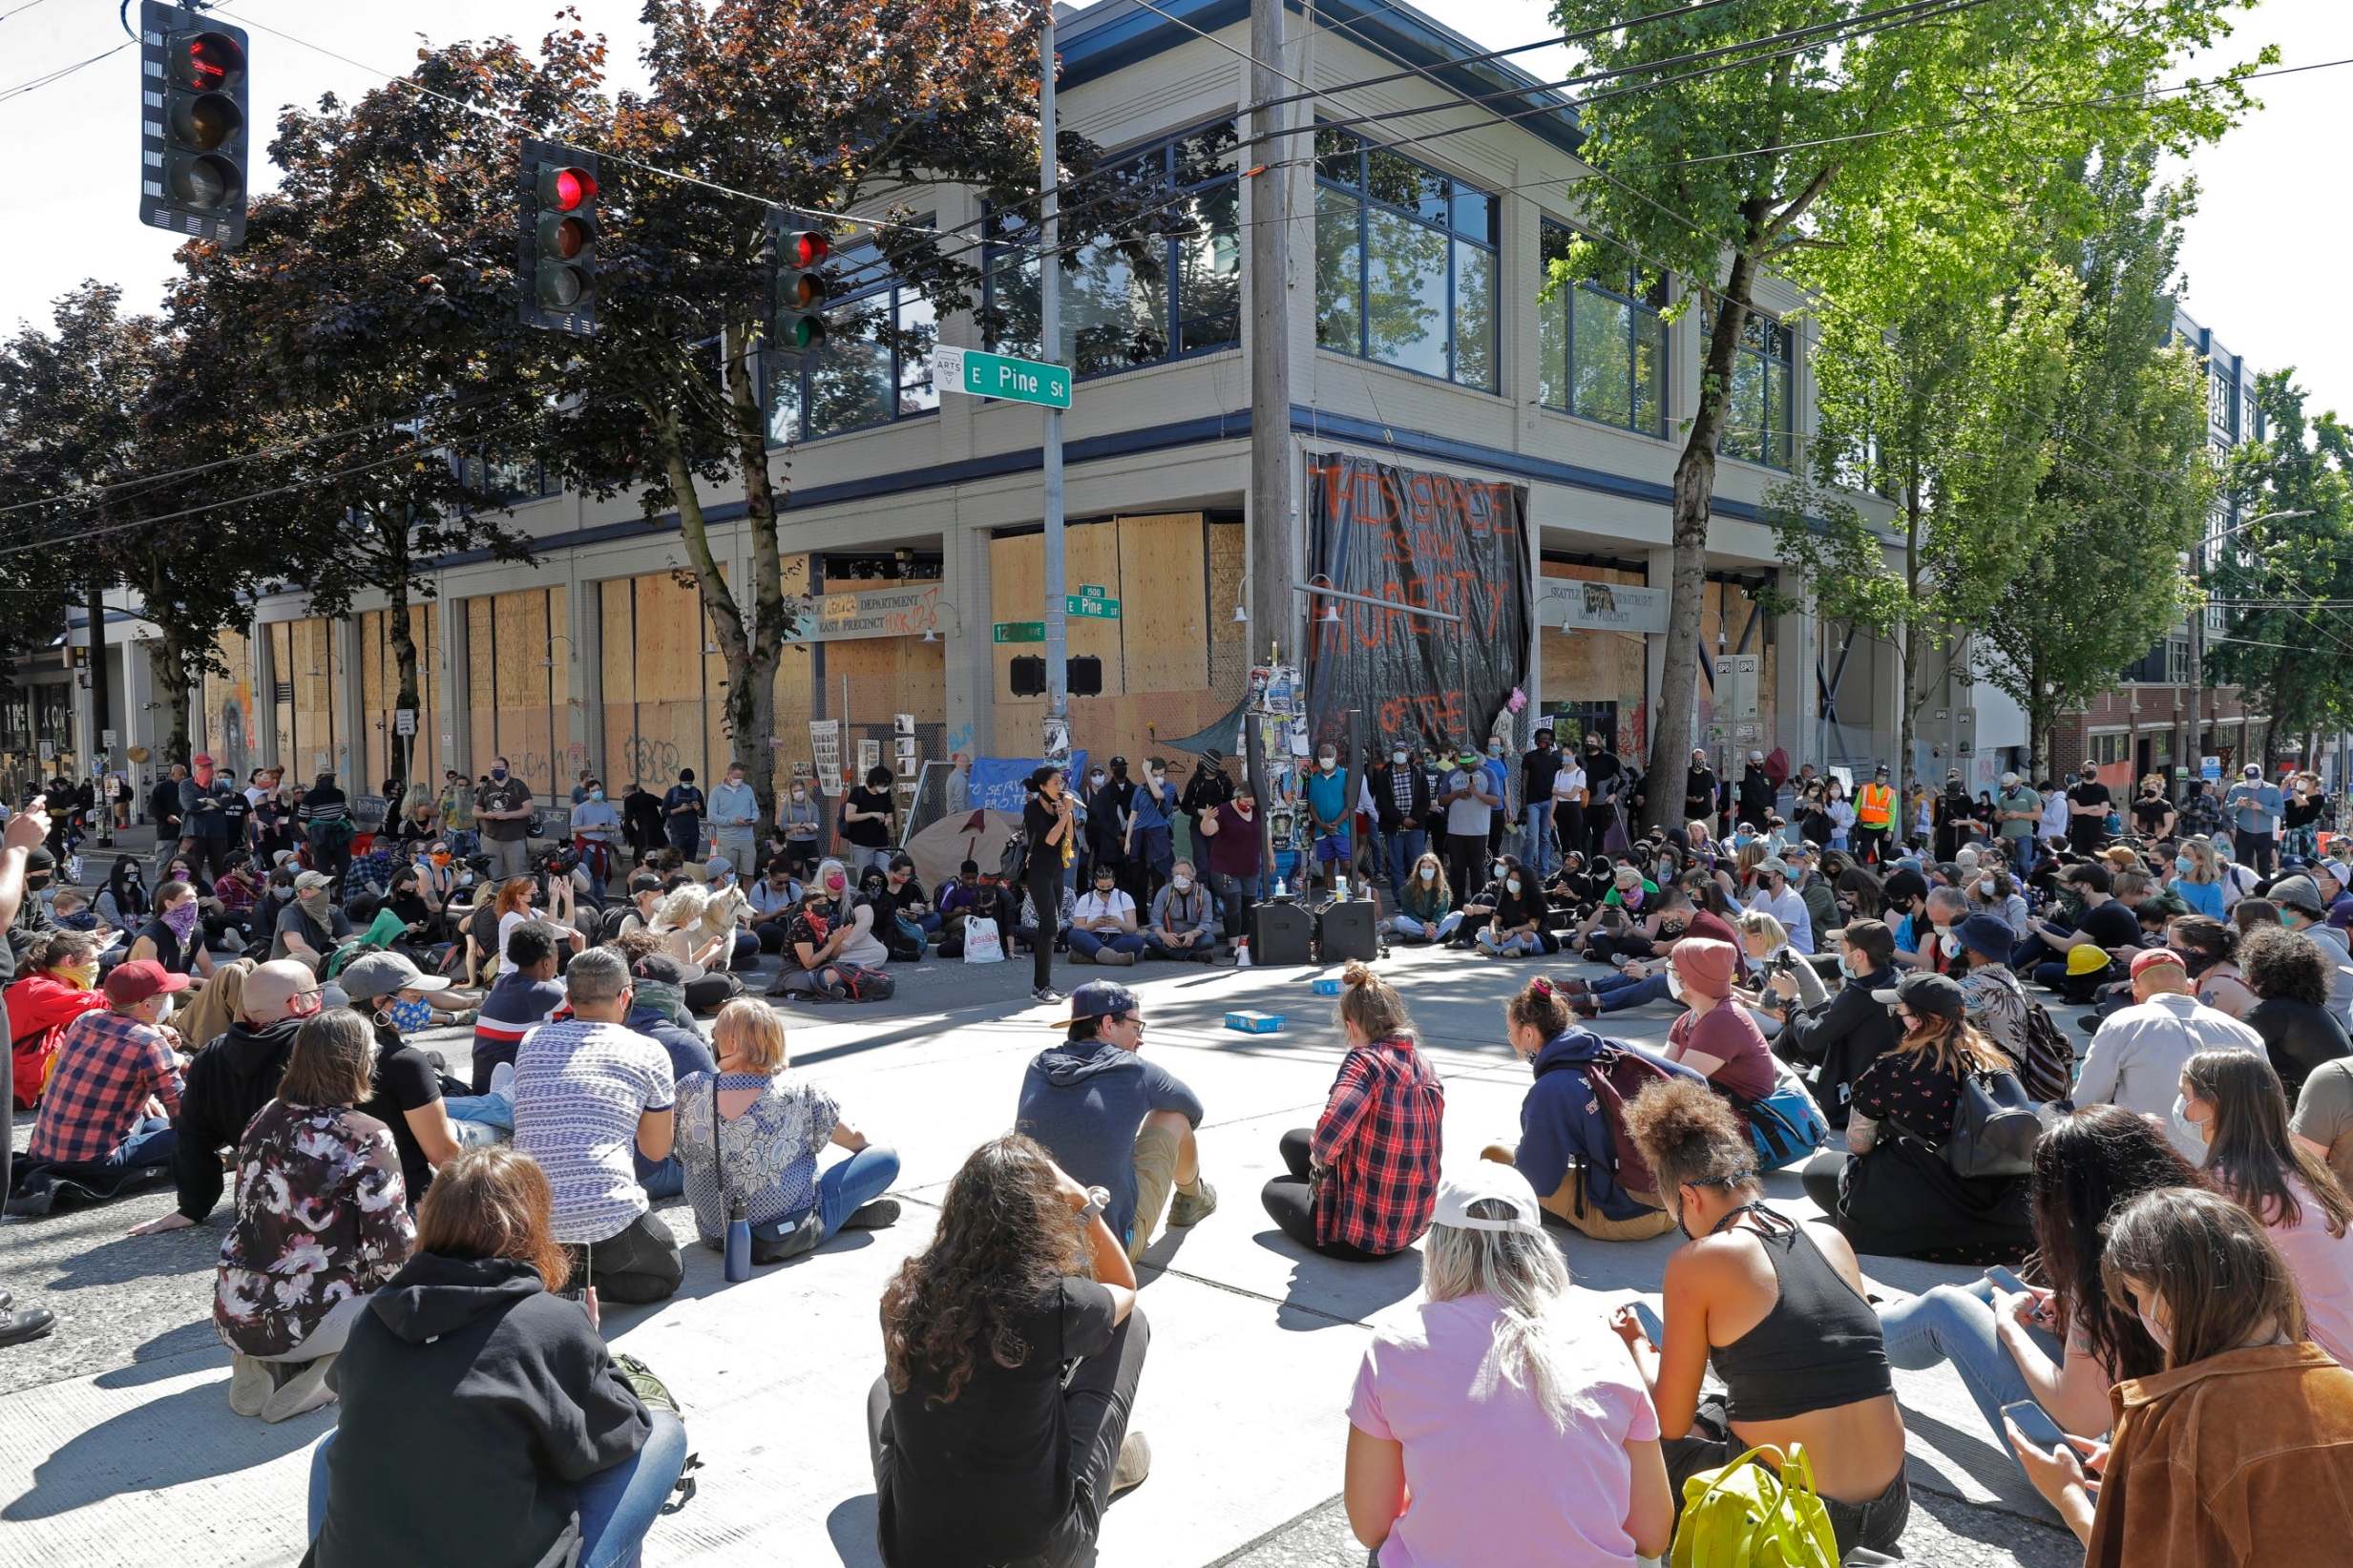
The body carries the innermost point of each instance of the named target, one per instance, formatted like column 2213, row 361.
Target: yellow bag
column 1748, row 1516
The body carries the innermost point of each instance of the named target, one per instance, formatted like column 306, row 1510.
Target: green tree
column 2129, row 484
column 2280, row 586
column 1721, row 175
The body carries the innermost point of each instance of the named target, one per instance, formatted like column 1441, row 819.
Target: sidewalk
column 117, row 1445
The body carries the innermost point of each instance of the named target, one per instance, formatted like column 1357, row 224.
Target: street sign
column 1019, row 631
column 1735, row 686
column 1094, row 590
column 106, row 739
column 1090, row 609
column 403, row 721
column 1000, row 376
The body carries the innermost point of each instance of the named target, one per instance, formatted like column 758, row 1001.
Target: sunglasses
column 303, row 1004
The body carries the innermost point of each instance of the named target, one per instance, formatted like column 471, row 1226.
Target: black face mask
column 36, row 881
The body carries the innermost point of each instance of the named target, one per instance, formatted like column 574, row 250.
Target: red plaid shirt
column 108, row 1064
column 1377, row 1141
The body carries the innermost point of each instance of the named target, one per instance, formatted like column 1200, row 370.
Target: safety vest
column 1874, row 804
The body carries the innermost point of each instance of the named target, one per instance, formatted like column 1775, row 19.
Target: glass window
column 1760, row 413
column 1405, row 270
column 1604, row 342
column 875, row 366
column 1177, row 292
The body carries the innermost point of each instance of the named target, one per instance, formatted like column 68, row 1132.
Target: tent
column 937, row 850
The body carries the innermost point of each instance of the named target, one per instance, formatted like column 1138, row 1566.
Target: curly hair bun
column 1358, row 973
column 1686, row 1132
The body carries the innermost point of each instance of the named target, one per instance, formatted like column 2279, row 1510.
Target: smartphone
column 2040, row 1428
column 2006, row 1280
column 1652, row 1329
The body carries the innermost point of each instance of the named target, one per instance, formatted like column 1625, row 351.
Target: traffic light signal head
column 193, row 123
column 557, row 267
column 801, row 289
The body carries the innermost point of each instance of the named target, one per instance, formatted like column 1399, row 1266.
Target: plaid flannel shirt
column 108, row 1063
column 1377, row 1141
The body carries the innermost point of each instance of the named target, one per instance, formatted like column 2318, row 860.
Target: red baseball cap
column 127, row 985
column 2154, row 957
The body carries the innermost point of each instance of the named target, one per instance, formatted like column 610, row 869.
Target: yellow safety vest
column 1874, row 804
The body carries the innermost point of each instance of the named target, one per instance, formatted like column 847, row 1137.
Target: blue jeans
column 1088, row 943
column 1616, row 993
column 489, row 1109
column 1420, row 930
column 617, row 1504
column 660, row 1179
column 1955, row 1323
column 1541, row 856
column 1406, row 846
column 150, row 1141
column 1523, row 945
column 1155, row 851
column 842, row 1190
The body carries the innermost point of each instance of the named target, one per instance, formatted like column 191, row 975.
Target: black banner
column 1436, row 542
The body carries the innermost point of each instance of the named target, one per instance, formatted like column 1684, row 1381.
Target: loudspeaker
column 1281, row 932
column 1345, row 930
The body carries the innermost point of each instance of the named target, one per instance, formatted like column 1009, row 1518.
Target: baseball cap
column 1772, row 864
column 2298, row 892
column 2154, row 957
column 1487, row 1182
column 717, row 866
column 374, row 975
column 659, row 968
column 1098, row 999
column 127, row 985
column 311, row 881
column 202, row 758
column 1929, row 995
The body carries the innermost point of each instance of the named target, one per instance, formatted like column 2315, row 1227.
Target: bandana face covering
column 409, row 1016
column 667, row 999
column 180, row 922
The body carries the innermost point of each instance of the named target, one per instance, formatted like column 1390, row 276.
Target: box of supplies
column 1327, row 988
column 1255, row 1023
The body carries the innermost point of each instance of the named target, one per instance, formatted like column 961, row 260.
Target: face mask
column 1846, row 967
column 441, row 858
column 163, row 1010
column 1326, row 764
column 1181, row 882
column 1512, row 887
column 1429, row 873
column 37, row 879
column 409, row 1016
column 2148, row 1326
column 1159, row 778
column 181, row 921
column 1095, row 778
column 1502, row 869
column 2183, row 1126
column 1675, row 983
column 500, row 774
column 314, row 904
column 85, row 975
column 799, row 795
column 1495, row 749
column 1398, row 758
column 1948, row 944
column 1104, row 889
column 596, row 794
column 1985, row 890
column 1244, row 808
column 2184, row 866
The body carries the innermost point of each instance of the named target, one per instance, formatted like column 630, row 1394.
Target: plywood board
column 1163, row 593
column 1588, row 666
column 481, row 685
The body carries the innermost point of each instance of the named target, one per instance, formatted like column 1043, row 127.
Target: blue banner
column 997, row 781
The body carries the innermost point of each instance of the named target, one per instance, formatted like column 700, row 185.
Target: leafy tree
column 2129, row 484
column 2280, row 585
column 1764, row 160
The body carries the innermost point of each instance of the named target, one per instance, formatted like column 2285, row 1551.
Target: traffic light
column 555, row 267
column 192, row 123
column 801, row 258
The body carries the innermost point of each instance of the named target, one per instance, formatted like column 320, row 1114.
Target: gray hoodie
column 1084, row 1099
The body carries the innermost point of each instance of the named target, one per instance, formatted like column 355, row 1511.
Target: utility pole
column 1057, row 736
column 1274, row 555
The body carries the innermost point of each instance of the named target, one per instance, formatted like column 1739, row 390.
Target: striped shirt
column 512, row 1008
column 579, row 1089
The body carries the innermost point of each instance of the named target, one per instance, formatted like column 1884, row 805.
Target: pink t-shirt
column 1492, row 1480
column 2324, row 1269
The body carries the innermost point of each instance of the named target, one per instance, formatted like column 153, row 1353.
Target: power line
column 37, row 83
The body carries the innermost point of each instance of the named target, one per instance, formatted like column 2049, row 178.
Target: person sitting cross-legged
column 1183, row 918
column 750, row 1132
column 98, row 1125
column 1116, row 1120
column 1102, row 922
column 322, row 1220
column 1425, row 904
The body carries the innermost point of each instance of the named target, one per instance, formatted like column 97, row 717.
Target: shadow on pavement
column 163, row 1443
column 852, row 1527
column 168, row 1354
column 1322, row 1294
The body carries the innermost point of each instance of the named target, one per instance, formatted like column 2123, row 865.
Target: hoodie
column 1562, row 1126
column 473, row 1404
column 1084, row 1100
column 227, row 1083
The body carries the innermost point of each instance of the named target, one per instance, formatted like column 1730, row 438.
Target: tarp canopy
column 981, row 835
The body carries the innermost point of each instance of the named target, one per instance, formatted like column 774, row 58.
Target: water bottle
column 1339, row 888
column 738, row 1241
column 1242, row 954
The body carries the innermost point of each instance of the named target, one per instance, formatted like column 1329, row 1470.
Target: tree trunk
column 397, row 747
column 1671, row 727
column 751, row 701
column 166, row 673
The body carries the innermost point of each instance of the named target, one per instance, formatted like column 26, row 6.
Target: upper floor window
column 1760, row 414
column 1601, row 341
column 505, row 478
column 1177, row 290
column 2221, row 401
column 875, row 365
column 1405, row 262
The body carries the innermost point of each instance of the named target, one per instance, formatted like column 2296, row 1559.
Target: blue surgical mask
column 596, row 794
column 2183, row 1126
column 409, row 1016
column 2184, row 865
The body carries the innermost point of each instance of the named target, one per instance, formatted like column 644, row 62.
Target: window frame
column 1547, row 225
column 1173, row 317
column 1786, row 362
column 1454, row 188
column 776, row 360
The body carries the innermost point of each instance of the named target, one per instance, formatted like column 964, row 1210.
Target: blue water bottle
column 738, row 1241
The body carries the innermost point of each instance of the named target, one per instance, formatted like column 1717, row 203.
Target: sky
column 2271, row 210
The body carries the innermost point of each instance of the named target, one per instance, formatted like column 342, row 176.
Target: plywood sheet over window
column 303, row 701
column 1582, row 670
column 519, row 687
column 658, row 685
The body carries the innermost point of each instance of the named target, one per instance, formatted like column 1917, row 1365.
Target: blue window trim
column 1568, row 343
column 772, row 361
column 1173, row 319
column 1362, row 193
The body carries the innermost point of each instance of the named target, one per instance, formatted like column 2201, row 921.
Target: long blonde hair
column 1527, row 1282
column 682, row 909
column 2204, row 868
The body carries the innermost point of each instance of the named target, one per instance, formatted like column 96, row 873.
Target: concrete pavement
column 118, row 1445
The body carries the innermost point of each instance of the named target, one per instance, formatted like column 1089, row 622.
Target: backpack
column 1616, row 1075
column 2049, row 1072
column 1013, row 866
column 865, row 984
column 1995, row 1127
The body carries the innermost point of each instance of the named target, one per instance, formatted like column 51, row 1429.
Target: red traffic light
column 565, row 188
column 208, row 61
column 807, row 248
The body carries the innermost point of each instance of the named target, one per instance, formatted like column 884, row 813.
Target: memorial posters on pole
column 1429, row 540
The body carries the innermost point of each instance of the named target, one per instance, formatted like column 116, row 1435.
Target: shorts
column 1332, row 849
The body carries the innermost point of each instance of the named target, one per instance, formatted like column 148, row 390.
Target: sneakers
column 251, row 1384
column 1114, row 957
column 874, row 1216
column 1204, row 955
column 1135, row 1464
column 1190, row 1208
column 1572, row 986
column 1584, row 1007
column 1045, row 993
column 302, row 1393
column 20, row 1323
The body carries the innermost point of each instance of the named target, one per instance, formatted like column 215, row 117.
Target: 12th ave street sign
column 1000, row 376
